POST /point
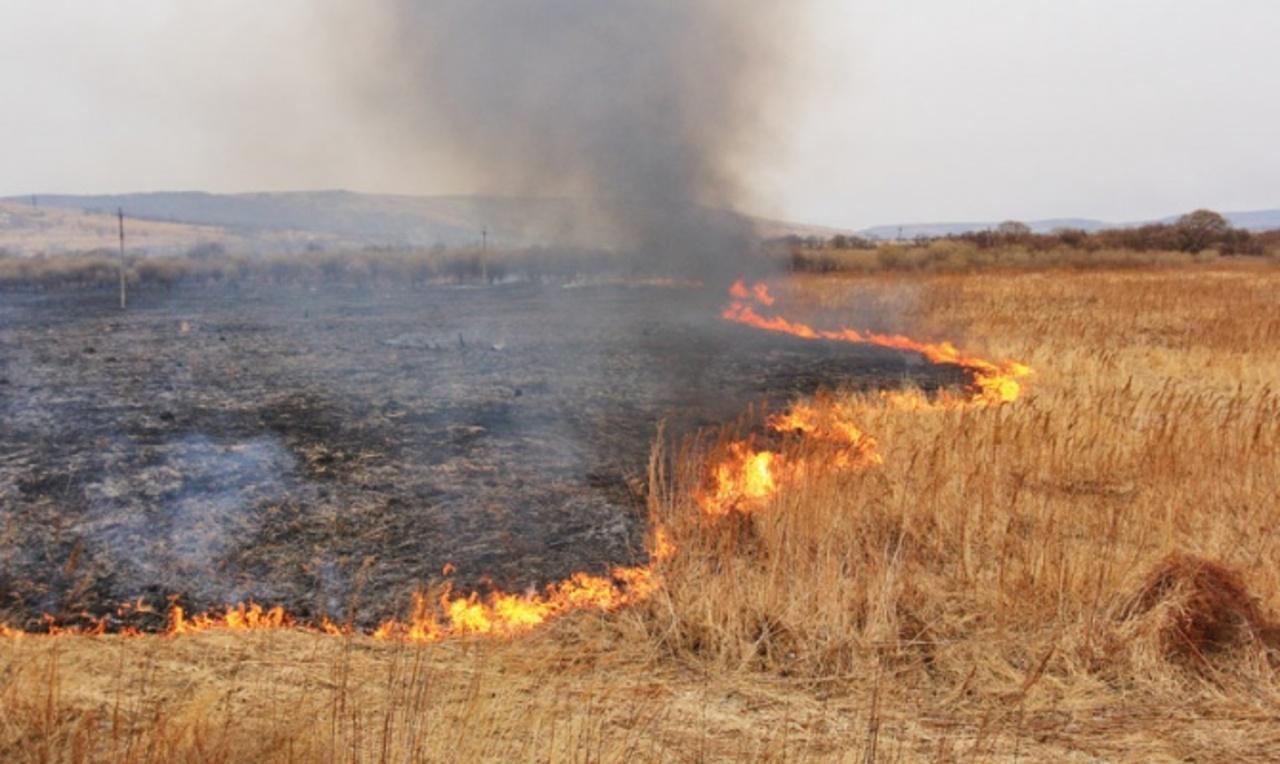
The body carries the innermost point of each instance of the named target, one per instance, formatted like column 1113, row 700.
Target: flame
column 94, row 626
column 742, row 479
column 992, row 383
column 661, row 548
column 745, row 478
column 452, row 615
column 761, row 293
column 503, row 614
column 241, row 617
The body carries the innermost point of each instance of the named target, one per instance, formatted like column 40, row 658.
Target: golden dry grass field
column 28, row 230
column 1091, row 572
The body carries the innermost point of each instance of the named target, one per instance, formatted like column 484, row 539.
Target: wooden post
column 124, row 299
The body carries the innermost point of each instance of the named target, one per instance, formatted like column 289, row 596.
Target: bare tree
column 1201, row 229
column 1013, row 229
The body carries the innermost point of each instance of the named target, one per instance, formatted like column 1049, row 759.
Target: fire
column 992, row 383
column 452, row 615
column 761, row 292
column 745, row 478
column 503, row 614
column 241, row 617
column 661, row 548
column 742, row 479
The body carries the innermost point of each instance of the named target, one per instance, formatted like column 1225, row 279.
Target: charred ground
column 330, row 450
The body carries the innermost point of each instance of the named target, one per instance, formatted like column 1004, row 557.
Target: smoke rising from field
column 648, row 114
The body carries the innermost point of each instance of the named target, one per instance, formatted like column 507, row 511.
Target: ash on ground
column 331, row 450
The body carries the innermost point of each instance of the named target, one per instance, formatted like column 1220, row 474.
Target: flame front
column 241, row 617
column 503, row 614
column 992, row 383
column 742, row 479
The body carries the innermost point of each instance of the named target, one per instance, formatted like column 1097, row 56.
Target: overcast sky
column 908, row 110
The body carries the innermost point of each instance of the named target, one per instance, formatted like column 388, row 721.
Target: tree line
column 1193, row 232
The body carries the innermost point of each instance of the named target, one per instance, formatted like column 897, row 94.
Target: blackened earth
column 331, row 450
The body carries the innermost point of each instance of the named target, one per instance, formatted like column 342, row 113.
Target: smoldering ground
column 331, row 450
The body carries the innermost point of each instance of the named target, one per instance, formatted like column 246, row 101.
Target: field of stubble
column 1087, row 573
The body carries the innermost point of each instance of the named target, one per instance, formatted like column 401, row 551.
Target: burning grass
column 1088, row 572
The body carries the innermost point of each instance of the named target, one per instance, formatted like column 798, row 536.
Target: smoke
column 649, row 116
column 174, row 514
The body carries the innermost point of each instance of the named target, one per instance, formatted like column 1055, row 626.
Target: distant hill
column 331, row 219
column 27, row 230
column 1258, row 220
column 334, row 215
column 1255, row 220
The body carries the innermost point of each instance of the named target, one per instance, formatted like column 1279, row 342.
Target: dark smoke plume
column 646, row 113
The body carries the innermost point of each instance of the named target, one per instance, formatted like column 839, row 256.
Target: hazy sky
column 904, row 110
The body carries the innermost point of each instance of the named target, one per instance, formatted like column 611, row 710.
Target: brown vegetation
column 410, row 267
column 956, row 255
column 1088, row 573
column 25, row 228
column 1197, row 237
column 1203, row 608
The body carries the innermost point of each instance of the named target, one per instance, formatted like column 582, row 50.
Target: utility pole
column 124, row 299
column 484, row 254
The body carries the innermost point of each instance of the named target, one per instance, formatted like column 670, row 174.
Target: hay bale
column 1200, row 607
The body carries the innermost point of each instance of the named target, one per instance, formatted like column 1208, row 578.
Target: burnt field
column 331, row 450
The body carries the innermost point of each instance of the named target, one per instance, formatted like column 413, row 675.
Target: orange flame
column 761, row 292
column 502, row 614
column 992, row 383
column 744, row 478
column 661, row 548
column 498, row 614
column 241, row 617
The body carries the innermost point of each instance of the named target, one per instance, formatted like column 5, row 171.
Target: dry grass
column 403, row 267
column 58, row 230
column 1091, row 572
